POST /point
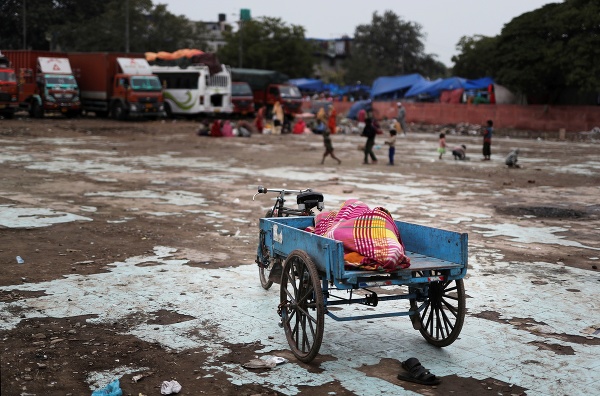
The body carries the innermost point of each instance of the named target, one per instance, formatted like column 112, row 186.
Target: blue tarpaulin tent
column 434, row 88
column 481, row 83
column 394, row 87
column 420, row 87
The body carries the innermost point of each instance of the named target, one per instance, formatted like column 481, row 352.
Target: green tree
column 552, row 49
column 74, row 25
column 389, row 46
column 476, row 57
column 270, row 44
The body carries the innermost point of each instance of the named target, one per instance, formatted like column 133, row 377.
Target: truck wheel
column 168, row 110
column 9, row 115
column 36, row 110
column 118, row 112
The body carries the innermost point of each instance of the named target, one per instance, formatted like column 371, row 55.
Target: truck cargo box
column 94, row 72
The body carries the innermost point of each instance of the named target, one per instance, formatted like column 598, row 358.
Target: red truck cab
column 288, row 96
column 8, row 88
column 242, row 99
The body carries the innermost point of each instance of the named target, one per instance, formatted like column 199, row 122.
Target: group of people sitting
column 225, row 128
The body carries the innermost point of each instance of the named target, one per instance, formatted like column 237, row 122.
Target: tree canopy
column 476, row 57
column 390, row 46
column 545, row 54
column 269, row 43
column 72, row 25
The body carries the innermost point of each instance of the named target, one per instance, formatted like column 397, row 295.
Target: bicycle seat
column 310, row 199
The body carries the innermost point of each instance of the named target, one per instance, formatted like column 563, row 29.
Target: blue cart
column 314, row 279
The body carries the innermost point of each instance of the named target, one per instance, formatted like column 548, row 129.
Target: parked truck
column 45, row 82
column 119, row 85
column 9, row 102
column 268, row 87
column 242, row 98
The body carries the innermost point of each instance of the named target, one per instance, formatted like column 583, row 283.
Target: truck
column 268, row 87
column 45, row 82
column 119, row 85
column 242, row 99
column 9, row 99
column 193, row 90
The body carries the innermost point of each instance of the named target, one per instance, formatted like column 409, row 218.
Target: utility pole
column 24, row 24
column 127, row 26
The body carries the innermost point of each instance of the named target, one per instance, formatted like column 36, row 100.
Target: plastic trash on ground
column 169, row 387
column 112, row 389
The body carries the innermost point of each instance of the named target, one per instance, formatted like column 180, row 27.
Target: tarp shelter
column 421, row 87
column 309, row 84
column 357, row 106
column 480, row 83
column 394, row 87
column 434, row 89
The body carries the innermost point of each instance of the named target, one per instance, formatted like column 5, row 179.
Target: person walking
column 401, row 117
column 392, row 143
column 328, row 147
column 487, row 140
column 442, row 146
column 369, row 132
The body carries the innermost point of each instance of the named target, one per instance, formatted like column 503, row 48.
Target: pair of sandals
column 416, row 373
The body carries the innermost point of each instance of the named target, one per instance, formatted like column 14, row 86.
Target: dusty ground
column 139, row 185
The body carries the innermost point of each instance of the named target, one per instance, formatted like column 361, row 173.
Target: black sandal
column 417, row 373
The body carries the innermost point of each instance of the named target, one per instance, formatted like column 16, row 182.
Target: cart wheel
column 264, row 268
column 301, row 306
column 443, row 315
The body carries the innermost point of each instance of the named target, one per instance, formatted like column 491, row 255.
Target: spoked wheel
column 301, row 306
column 443, row 314
column 264, row 267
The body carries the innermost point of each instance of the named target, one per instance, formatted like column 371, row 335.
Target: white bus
column 194, row 91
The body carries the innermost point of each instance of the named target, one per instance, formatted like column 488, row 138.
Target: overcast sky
column 444, row 22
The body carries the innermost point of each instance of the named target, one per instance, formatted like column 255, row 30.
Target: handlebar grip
column 262, row 190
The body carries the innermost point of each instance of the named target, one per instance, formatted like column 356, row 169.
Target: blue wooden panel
column 434, row 242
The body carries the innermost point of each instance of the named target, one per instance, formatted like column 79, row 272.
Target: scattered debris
column 169, row 387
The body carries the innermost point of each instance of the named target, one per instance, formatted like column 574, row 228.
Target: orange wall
column 528, row 117
column 521, row 117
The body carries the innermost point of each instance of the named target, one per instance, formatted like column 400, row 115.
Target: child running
column 442, row 147
column 328, row 146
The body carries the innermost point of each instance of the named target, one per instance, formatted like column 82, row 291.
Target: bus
column 194, row 91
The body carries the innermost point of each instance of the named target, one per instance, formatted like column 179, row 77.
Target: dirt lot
column 99, row 193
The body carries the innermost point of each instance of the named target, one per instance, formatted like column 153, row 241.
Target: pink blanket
column 370, row 236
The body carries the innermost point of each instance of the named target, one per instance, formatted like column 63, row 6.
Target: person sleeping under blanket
column 370, row 237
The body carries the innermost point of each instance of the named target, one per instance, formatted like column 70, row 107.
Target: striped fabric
column 370, row 236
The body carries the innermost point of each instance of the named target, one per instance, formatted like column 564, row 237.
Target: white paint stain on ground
column 14, row 217
column 520, row 234
column 178, row 197
column 242, row 312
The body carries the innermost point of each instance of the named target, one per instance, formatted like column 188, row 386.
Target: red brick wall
column 528, row 117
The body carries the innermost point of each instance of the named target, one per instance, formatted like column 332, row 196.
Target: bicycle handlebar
column 263, row 190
